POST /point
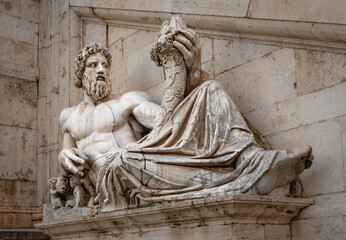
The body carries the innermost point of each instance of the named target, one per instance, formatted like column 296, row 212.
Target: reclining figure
column 199, row 144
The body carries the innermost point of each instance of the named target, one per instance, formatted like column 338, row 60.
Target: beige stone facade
column 282, row 62
column 19, row 75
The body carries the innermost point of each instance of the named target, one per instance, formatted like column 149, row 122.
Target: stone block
column 299, row 10
column 223, row 217
column 118, row 71
column 19, row 102
column 117, row 33
column 44, row 56
column 22, row 9
column 133, row 70
column 18, row 153
column 326, row 173
column 236, row 8
column 328, row 205
column 64, row 61
column 17, row 193
column 156, row 92
column 277, row 232
column 206, row 49
column 137, row 41
column 246, row 231
column 44, row 19
column 148, row 5
column 64, row 26
column 53, row 32
column 15, row 220
column 94, row 33
column 75, row 93
column 64, row 6
column 61, row 213
column 343, row 123
column 209, row 68
column 317, row 70
column 52, row 83
column 43, row 170
column 21, row 30
column 19, row 53
column 291, row 113
column 325, row 228
column 53, row 165
column 142, row 73
column 42, row 122
column 343, row 144
column 261, row 82
column 18, row 71
column 54, row 95
column 229, row 54
column 75, row 26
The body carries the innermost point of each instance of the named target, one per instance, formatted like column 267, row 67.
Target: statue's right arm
column 142, row 108
column 70, row 156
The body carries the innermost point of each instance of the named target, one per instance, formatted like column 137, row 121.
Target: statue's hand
column 188, row 44
column 69, row 157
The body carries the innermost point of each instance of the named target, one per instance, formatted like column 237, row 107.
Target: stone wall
column 292, row 91
column 282, row 62
column 18, row 113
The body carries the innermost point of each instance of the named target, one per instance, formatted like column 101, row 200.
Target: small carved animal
column 70, row 191
column 60, row 191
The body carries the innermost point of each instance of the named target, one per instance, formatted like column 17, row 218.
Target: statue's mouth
column 101, row 78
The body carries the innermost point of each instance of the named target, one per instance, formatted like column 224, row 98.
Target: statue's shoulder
column 135, row 94
column 65, row 115
column 135, row 97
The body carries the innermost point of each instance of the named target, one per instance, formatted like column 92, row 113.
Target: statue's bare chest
column 103, row 118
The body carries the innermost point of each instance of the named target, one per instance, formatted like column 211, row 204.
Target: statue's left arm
column 188, row 43
column 148, row 113
column 142, row 108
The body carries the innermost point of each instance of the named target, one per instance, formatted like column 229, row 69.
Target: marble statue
column 199, row 144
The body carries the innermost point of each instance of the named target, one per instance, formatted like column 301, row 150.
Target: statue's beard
column 97, row 89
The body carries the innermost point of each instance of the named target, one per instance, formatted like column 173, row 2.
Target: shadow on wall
column 29, row 234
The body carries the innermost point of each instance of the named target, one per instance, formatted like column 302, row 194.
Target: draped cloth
column 204, row 148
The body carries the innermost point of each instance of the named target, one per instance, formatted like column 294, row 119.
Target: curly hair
column 82, row 58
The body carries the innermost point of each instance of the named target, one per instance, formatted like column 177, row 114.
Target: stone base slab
column 222, row 217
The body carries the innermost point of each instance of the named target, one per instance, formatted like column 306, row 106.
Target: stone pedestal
column 225, row 217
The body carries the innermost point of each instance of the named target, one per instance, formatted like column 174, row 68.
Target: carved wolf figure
column 71, row 191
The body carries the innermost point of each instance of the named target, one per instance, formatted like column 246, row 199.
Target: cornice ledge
column 302, row 34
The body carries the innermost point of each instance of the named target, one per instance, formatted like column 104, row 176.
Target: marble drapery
column 205, row 148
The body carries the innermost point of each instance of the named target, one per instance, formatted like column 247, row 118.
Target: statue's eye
column 91, row 64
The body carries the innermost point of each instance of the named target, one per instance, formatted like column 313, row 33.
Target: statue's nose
column 100, row 69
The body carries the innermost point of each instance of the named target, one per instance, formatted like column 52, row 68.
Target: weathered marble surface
column 316, row 108
column 199, row 144
column 226, row 217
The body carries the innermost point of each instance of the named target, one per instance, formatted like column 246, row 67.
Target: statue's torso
column 101, row 128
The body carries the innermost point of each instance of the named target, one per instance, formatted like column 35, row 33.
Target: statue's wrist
column 195, row 75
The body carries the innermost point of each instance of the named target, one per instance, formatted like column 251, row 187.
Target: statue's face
column 96, row 80
column 62, row 184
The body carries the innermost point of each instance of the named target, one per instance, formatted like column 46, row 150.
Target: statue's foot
column 287, row 165
column 303, row 155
